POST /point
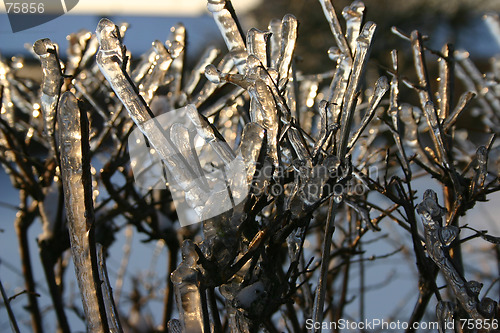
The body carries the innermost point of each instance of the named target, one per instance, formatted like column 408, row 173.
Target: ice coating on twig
column 319, row 299
column 432, row 215
column 408, row 117
column 324, row 128
column 110, row 58
column 224, row 66
column 75, row 173
column 437, row 134
column 109, row 303
column 266, row 115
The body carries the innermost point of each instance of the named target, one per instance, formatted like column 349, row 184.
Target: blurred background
column 457, row 21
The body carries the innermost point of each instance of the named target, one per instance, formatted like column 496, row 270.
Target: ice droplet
column 212, row 74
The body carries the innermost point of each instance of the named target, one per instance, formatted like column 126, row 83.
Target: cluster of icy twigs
column 311, row 136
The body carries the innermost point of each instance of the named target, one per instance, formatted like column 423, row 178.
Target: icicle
column 493, row 22
column 144, row 65
column 252, row 143
column 268, row 117
column 90, row 51
column 208, row 133
column 480, row 169
column 420, row 68
column 445, row 82
column 298, row 145
column 77, row 44
column 324, row 128
column 257, row 44
column 288, row 39
column 275, row 42
column 313, row 184
column 199, row 69
column 462, row 104
column 51, row 85
column 338, row 86
column 333, row 20
column 228, row 27
column 381, row 87
column 436, row 134
column 188, row 294
column 353, row 16
column 157, row 74
column 363, row 45
column 475, row 81
column 176, row 44
column 225, row 66
column 394, row 101
column 110, row 59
